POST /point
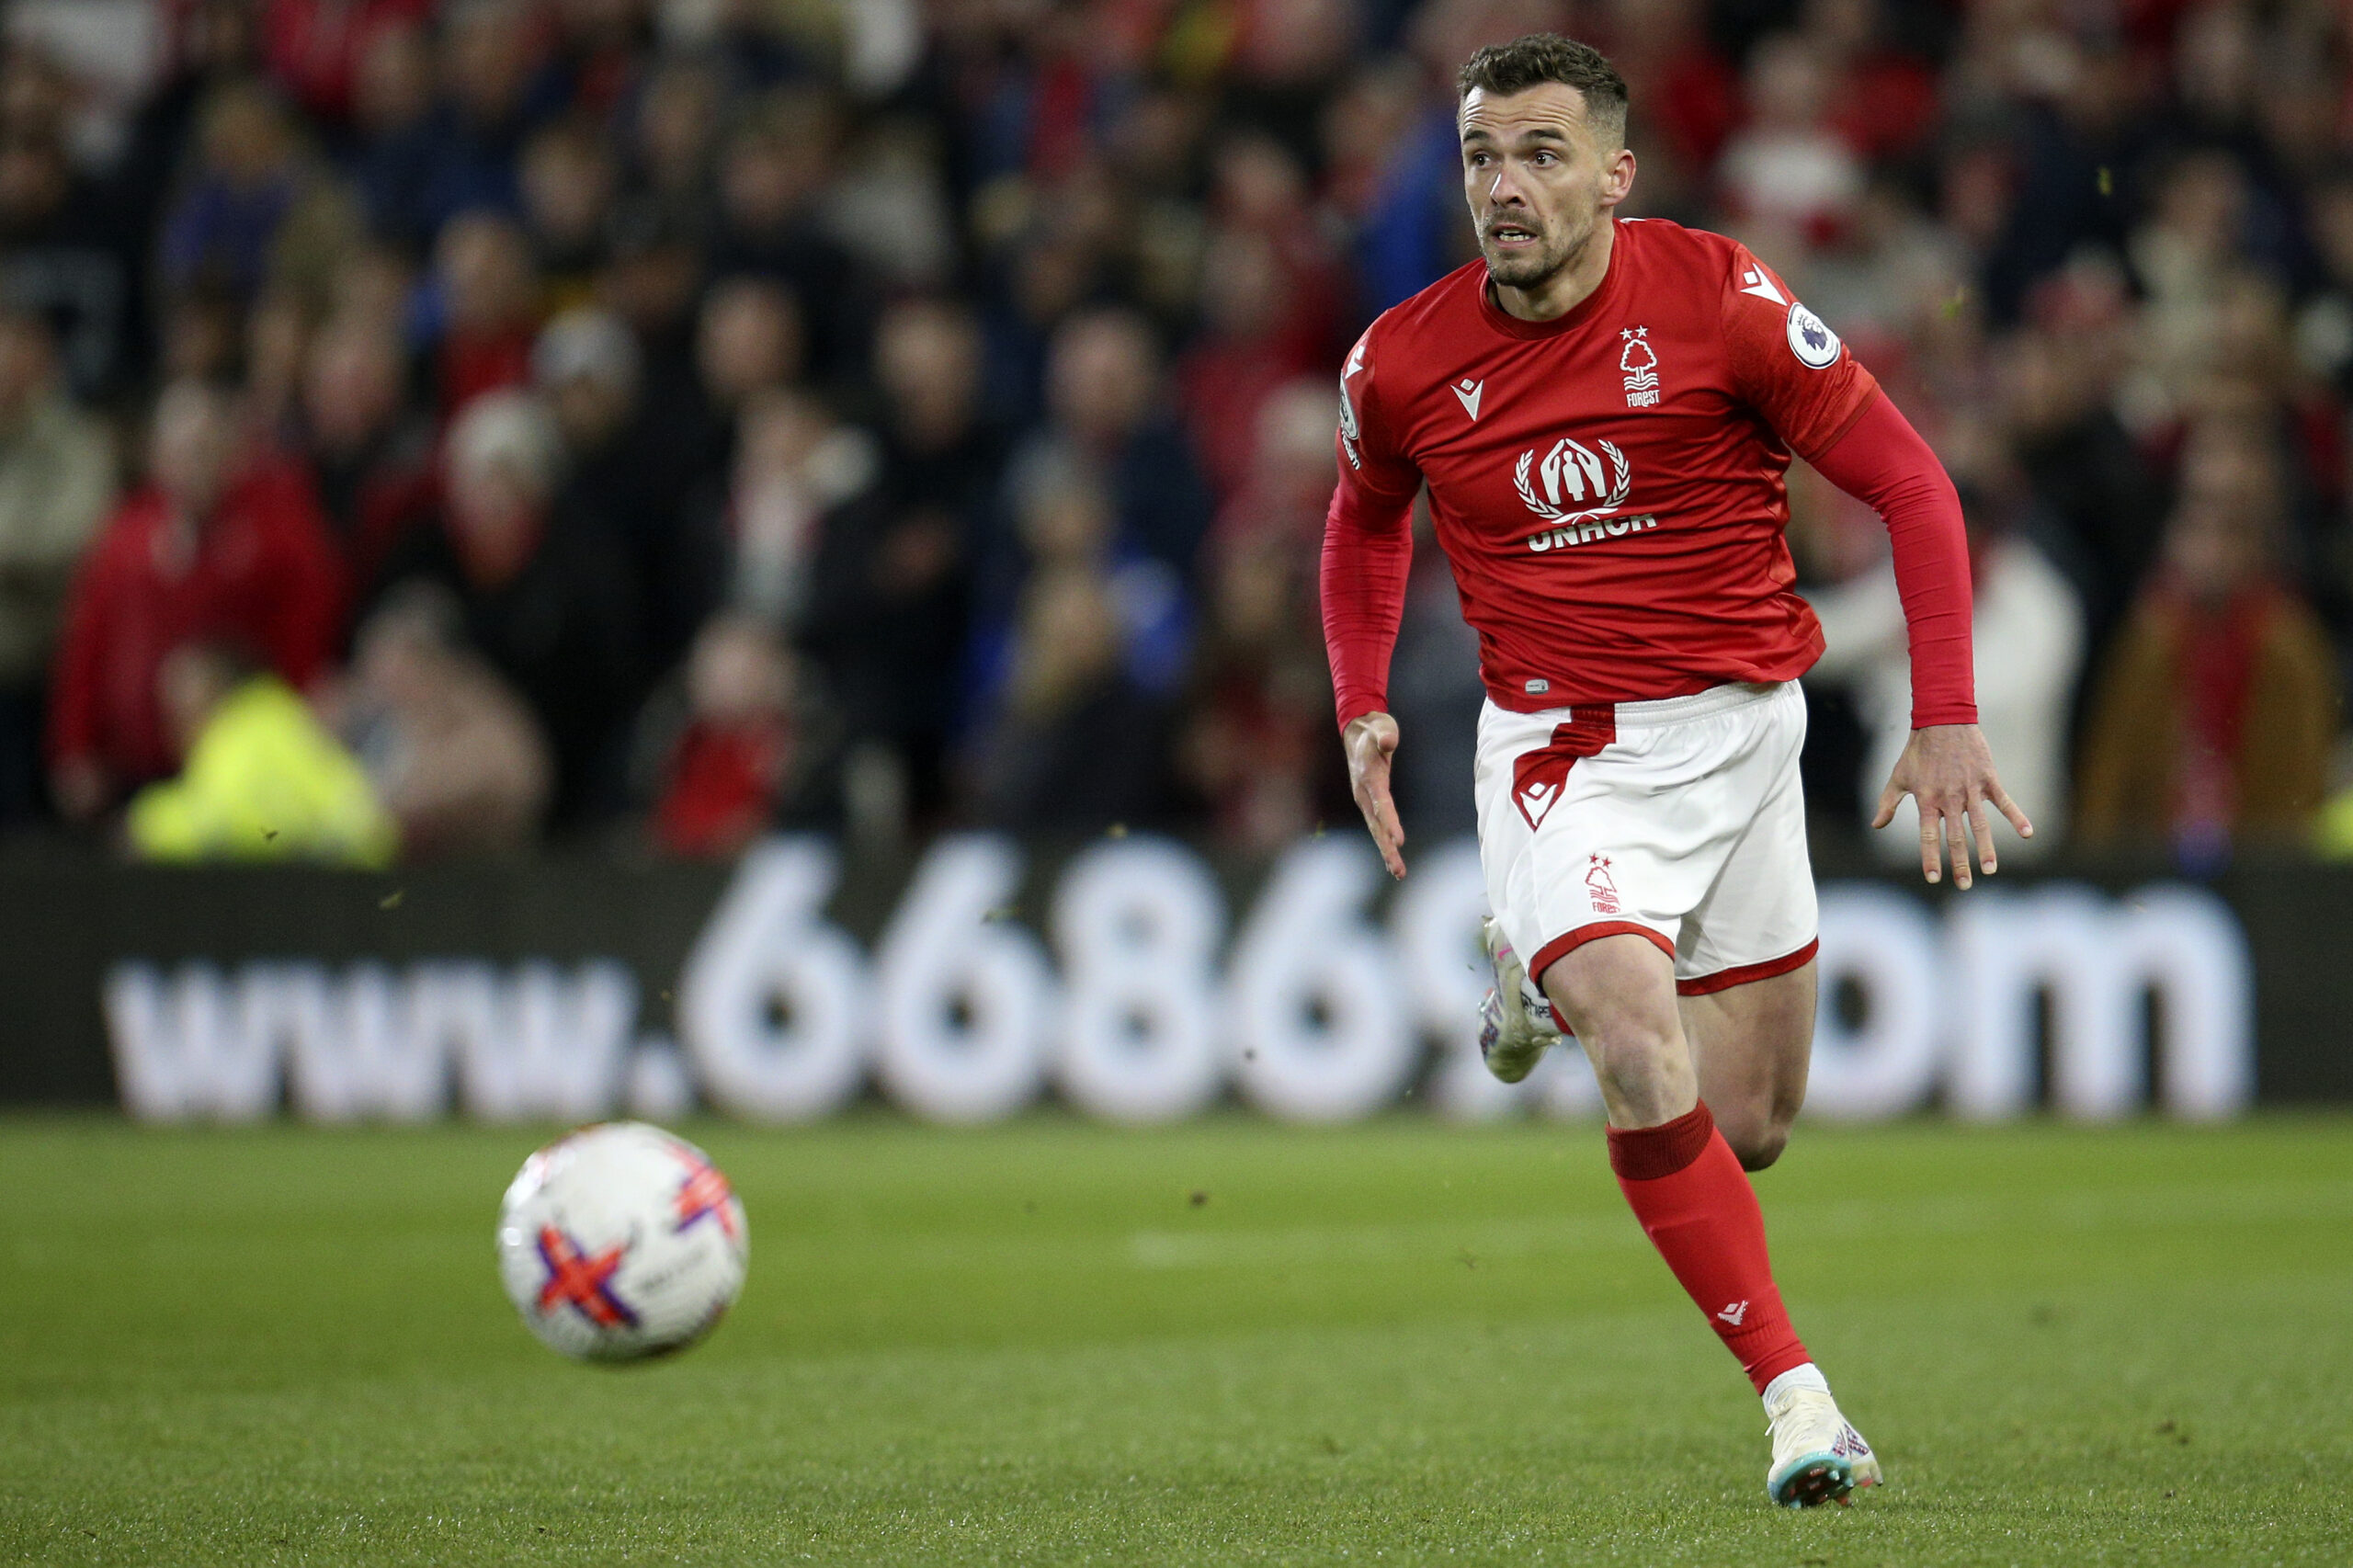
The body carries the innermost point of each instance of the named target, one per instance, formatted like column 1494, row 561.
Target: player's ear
column 1616, row 177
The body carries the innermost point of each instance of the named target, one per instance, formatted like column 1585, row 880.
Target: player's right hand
column 1370, row 740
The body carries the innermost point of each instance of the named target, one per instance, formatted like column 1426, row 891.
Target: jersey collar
column 1583, row 311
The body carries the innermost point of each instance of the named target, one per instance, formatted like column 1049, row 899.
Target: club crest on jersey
column 1640, row 364
column 1811, row 339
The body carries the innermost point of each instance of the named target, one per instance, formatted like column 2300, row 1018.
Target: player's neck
column 1570, row 287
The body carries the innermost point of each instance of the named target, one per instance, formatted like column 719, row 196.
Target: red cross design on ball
column 704, row 1192
column 586, row 1283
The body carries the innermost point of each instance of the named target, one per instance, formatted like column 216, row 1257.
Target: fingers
column 1984, row 835
column 1389, row 838
column 1887, row 802
column 1380, row 816
column 1956, row 836
column 1931, row 844
column 2008, row 807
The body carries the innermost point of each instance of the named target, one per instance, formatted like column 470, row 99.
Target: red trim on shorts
column 1563, row 945
column 1725, row 979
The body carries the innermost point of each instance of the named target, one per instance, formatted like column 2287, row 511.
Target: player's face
column 1539, row 177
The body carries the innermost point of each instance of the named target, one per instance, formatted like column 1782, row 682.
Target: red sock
column 1695, row 1203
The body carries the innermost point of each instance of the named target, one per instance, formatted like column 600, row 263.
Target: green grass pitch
column 1229, row 1341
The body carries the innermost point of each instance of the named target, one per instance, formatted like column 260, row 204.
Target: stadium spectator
column 676, row 130
column 888, row 616
column 2059, row 412
column 372, row 457
column 69, row 252
column 452, row 751
column 57, row 480
column 1789, row 171
column 1250, row 345
column 727, row 767
column 2212, row 720
column 546, row 596
column 1104, row 393
column 653, row 281
column 254, row 209
column 213, row 547
column 773, row 176
column 748, row 339
column 1077, row 745
column 569, row 185
column 315, row 48
column 261, row 778
column 489, row 310
column 396, row 151
column 483, row 67
column 588, row 367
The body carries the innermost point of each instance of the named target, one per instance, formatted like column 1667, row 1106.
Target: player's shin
column 1695, row 1203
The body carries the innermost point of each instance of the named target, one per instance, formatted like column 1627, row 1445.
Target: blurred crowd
column 442, row 427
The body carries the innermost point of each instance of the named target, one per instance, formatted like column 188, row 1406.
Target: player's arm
column 1947, row 767
column 1368, row 553
column 1792, row 367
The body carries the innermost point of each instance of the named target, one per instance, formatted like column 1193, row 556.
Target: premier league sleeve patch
column 1811, row 339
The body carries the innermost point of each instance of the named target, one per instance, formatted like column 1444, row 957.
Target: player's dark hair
column 1503, row 69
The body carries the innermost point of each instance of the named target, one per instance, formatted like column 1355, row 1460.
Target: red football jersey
column 1608, row 485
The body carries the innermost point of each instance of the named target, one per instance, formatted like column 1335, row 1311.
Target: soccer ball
column 619, row 1241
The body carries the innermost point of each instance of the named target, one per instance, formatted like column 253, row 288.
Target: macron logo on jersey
column 1753, row 281
column 1468, row 393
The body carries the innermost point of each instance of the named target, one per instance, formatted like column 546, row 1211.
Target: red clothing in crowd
column 470, row 365
column 314, row 47
column 261, row 574
column 1608, row 486
column 720, row 793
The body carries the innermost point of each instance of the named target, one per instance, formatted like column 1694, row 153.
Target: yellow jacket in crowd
column 264, row 781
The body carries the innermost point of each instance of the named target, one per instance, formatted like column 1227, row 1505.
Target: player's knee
column 1633, row 1058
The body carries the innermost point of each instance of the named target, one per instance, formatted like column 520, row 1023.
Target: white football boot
column 1515, row 1024
column 1817, row 1456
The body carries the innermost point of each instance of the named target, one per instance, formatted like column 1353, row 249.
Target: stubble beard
column 1533, row 270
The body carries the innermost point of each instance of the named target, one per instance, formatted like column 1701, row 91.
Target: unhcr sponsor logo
column 1589, row 531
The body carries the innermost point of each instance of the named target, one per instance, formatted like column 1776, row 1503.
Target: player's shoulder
column 1662, row 250
column 1435, row 314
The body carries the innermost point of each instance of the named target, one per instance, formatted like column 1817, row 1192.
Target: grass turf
column 1224, row 1342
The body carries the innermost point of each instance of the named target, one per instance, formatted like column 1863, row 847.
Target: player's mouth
column 1512, row 236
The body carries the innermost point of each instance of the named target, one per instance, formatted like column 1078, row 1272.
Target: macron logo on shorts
column 1538, row 777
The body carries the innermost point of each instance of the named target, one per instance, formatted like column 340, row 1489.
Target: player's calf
column 1757, row 1133
column 1751, row 1045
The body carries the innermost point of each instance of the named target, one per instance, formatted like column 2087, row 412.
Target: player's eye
column 1544, row 160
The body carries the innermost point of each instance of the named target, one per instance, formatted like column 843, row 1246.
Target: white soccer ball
column 619, row 1241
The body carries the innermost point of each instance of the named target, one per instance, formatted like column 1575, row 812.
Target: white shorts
column 1682, row 820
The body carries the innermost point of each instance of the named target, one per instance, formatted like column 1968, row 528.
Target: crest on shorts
column 1598, row 887
column 1540, row 776
column 1640, row 362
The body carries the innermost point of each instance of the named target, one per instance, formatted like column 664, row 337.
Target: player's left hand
column 1949, row 771
column 1370, row 740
